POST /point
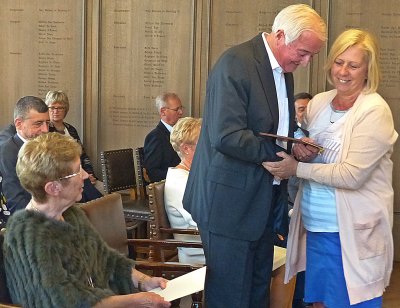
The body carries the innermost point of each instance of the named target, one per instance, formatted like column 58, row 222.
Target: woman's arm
column 137, row 300
column 372, row 137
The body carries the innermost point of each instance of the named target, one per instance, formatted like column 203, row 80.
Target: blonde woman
column 184, row 136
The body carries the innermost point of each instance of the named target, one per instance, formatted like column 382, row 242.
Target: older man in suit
column 236, row 203
column 158, row 152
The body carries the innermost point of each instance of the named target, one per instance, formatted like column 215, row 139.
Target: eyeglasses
column 56, row 108
column 72, row 175
column 180, row 108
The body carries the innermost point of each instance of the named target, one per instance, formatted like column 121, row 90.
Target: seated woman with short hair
column 184, row 136
column 52, row 255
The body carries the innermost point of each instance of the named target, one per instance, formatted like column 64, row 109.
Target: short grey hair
column 162, row 99
column 26, row 103
column 58, row 96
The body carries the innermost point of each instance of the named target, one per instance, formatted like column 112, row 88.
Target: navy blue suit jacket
column 228, row 191
column 17, row 197
column 7, row 133
column 159, row 153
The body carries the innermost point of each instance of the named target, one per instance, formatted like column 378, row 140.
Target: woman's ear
column 185, row 148
column 52, row 188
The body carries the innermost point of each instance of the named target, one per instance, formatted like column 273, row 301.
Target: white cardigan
column 364, row 196
column 179, row 218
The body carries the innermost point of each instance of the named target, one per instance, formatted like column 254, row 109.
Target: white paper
column 194, row 281
column 279, row 257
column 183, row 285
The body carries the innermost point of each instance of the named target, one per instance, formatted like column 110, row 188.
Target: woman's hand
column 92, row 179
column 304, row 152
column 136, row 300
column 148, row 300
column 282, row 169
column 149, row 283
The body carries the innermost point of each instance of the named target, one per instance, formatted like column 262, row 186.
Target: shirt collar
column 20, row 137
column 169, row 127
column 274, row 63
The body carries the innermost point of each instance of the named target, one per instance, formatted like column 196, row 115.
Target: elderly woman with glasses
column 53, row 257
column 58, row 104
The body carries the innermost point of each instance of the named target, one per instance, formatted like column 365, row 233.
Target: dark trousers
column 238, row 271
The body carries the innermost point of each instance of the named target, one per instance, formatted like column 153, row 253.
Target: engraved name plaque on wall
column 233, row 22
column 41, row 49
column 146, row 49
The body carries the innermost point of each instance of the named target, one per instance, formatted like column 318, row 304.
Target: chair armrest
column 160, row 250
column 165, row 244
column 168, row 270
column 179, row 231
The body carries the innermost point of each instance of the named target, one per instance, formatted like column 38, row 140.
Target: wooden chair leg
column 197, row 300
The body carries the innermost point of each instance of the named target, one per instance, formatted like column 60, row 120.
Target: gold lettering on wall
column 147, row 49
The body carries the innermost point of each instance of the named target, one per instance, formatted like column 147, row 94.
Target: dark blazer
column 158, row 153
column 7, row 133
column 228, row 191
column 17, row 197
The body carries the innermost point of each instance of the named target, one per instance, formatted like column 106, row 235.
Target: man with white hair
column 237, row 204
column 158, row 152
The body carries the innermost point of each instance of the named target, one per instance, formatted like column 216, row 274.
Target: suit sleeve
column 16, row 196
column 230, row 125
column 153, row 158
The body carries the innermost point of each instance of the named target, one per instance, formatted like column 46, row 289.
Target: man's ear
column 18, row 122
column 52, row 188
column 162, row 111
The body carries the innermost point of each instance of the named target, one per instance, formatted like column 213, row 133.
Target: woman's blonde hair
column 59, row 97
column 185, row 131
column 46, row 158
column 367, row 42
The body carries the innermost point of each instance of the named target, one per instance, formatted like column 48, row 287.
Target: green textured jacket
column 48, row 263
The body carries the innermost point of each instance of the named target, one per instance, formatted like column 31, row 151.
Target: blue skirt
column 325, row 280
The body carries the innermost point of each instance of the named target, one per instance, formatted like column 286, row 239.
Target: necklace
column 184, row 166
column 336, row 114
column 30, row 206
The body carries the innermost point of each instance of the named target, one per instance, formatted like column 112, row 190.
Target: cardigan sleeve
column 85, row 160
column 369, row 136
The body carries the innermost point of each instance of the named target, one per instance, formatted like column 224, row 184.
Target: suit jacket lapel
column 18, row 141
column 164, row 130
column 267, row 78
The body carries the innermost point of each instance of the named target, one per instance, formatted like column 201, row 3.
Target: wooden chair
column 160, row 227
column 106, row 215
column 118, row 170
column 143, row 178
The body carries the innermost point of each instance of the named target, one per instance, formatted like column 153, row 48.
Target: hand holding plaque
column 294, row 140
